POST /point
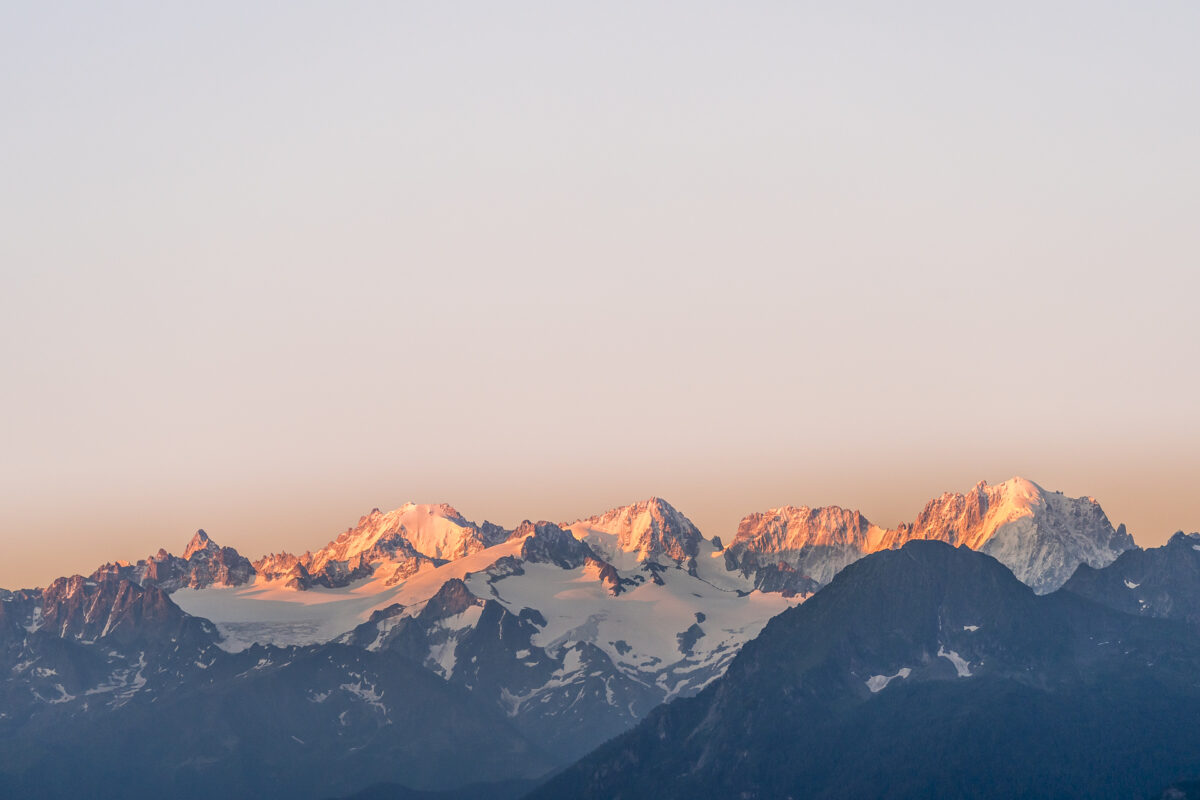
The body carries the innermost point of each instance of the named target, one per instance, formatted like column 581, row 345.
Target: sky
column 266, row 266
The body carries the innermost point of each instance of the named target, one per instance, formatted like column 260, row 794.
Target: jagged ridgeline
column 426, row 650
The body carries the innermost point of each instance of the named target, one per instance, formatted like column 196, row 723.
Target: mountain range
column 1041, row 536
column 418, row 636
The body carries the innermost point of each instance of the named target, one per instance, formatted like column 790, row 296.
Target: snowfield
column 268, row 612
column 639, row 628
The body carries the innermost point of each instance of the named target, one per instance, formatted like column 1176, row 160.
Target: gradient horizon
column 262, row 272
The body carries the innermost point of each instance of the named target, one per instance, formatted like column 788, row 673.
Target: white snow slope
column 643, row 628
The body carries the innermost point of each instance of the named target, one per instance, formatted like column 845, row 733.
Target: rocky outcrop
column 204, row 563
column 116, row 608
column 547, row 543
column 813, row 543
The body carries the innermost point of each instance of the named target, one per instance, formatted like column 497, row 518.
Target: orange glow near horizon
column 543, row 264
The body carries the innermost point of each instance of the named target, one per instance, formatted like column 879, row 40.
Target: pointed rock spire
column 199, row 542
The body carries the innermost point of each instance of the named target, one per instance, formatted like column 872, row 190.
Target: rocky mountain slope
column 1156, row 582
column 801, row 548
column 568, row 645
column 110, row 690
column 924, row 671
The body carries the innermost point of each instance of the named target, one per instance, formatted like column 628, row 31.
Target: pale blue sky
column 266, row 266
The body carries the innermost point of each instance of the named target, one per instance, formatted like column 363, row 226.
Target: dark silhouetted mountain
column 1184, row 790
column 110, row 690
column 301, row 722
column 503, row 790
column 928, row 671
column 1157, row 582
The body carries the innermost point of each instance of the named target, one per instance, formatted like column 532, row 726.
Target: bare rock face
column 200, row 543
column 1041, row 536
column 547, row 543
column 209, row 564
column 275, row 565
column 451, row 600
column 114, row 608
column 204, row 563
column 815, row 543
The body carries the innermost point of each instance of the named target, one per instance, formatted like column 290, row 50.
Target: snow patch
column 444, row 656
column 467, row 619
column 366, row 692
column 877, row 683
column 63, row 696
column 268, row 612
column 637, row 628
column 130, row 686
column 960, row 664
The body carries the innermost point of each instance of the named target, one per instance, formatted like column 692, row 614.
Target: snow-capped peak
column 404, row 541
column 437, row 531
column 1041, row 536
column 647, row 529
column 974, row 517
